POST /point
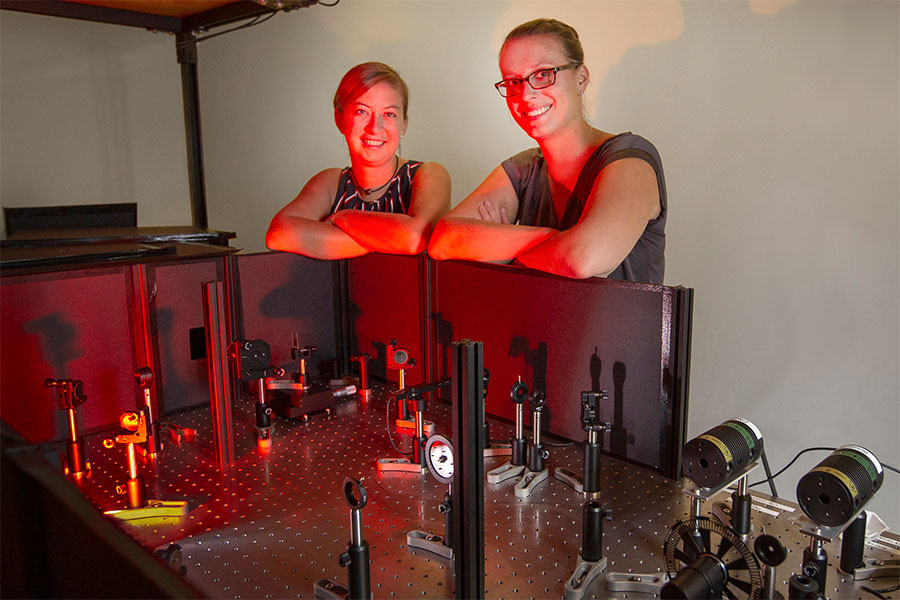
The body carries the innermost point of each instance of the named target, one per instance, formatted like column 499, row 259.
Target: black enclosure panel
column 176, row 310
column 73, row 325
column 567, row 336
column 277, row 294
column 386, row 302
column 70, row 217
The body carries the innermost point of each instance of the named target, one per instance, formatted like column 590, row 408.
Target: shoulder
column 525, row 158
column 523, row 165
column 322, row 187
column 628, row 141
column 428, row 169
column 327, row 178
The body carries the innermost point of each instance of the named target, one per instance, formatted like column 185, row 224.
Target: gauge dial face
column 439, row 458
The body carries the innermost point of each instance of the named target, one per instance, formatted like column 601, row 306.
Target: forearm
column 384, row 232
column 486, row 241
column 311, row 238
column 566, row 255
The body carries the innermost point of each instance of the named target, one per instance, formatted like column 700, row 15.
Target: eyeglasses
column 538, row 80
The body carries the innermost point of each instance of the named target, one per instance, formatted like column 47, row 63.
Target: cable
column 559, row 444
column 257, row 20
column 387, row 426
column 880, row 593
column 769, row 477
column 785, row 468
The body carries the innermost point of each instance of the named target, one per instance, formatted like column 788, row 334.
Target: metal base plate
column 276, row 522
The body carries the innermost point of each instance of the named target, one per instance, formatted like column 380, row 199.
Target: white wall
column 778, row 124
column 91, row 114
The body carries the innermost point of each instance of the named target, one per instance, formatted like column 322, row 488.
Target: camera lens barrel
column 839, row 486
column 711, row 458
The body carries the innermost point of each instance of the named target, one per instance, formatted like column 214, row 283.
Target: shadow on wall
column 58, row 340
column 535, row 372
column 619, row 437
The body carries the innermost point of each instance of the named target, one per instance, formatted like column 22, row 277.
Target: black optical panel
column 724, row 451
column 839, row 486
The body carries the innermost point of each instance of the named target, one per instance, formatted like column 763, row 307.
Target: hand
column 488, row 212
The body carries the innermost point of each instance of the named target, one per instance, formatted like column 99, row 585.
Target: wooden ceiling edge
column 215, row 17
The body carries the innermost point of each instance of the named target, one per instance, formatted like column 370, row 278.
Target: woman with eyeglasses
column 585, row 202
column 381, row 202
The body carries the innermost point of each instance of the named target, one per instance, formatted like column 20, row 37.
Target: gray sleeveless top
column 527, row 171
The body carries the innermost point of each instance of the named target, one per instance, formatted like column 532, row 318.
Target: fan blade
column 724, row 547
column 684, row 556
column 739, row 564
column 696, row 543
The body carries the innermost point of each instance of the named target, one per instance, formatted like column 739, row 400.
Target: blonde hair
column 363, row 77
column 566, row 35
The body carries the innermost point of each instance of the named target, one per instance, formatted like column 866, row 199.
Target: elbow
column 587, row 265
column 273, row 238
column 576, row 263
column 438, row 246
column 280, row 237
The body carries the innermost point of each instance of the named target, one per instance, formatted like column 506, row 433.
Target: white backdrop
column 778, row 125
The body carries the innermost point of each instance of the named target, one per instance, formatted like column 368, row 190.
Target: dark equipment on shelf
column 70, row 395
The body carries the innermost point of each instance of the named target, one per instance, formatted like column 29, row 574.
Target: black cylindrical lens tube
column 710, row 459
column 592, row 531
column 591, row 467
column 704, row 578
column 839, row 486
column 801, row 587
column 519, row 450
column 853, row 545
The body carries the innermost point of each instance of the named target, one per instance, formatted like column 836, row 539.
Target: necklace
column 368, row 191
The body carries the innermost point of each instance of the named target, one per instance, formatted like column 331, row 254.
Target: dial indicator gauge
column 439, row 458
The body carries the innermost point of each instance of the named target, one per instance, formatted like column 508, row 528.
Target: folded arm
column 298, row 226
column 398, row 233
column 624, row 198
column 480, row 228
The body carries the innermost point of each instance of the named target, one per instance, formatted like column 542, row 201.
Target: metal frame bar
column 682, row 324
column 468, row 472
column 220, row 391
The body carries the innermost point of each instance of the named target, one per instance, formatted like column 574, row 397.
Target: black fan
column 705, row 559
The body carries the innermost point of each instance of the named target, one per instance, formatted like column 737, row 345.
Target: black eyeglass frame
column 554, row 70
